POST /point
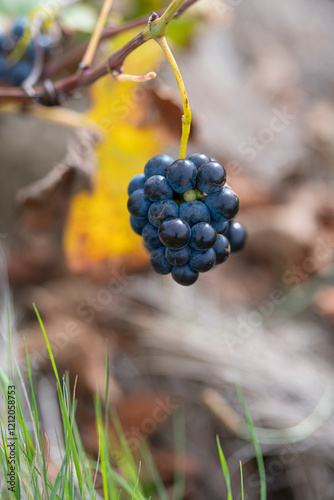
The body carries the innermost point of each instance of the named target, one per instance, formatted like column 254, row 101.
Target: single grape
column 20, row 72
column 184, row 275
column 162, row 210
column 211, row 176
column 198, row 159
column 220, row 226
column 182, row 175
column 222, row 249
column 203, row 236
column 194, row 212
column 19, row 27
column 151, row 237
column 237, row 236
column 202, row 261
column 222, row 205
column 137, row 182
column 178, row 257
column 159, row 262
column 174, row 233
column 157, row 166
column 137, row 224
column 138, row 204
column 158, row 188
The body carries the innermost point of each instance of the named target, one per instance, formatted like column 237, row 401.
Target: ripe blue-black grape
column 157, row 166
column 137, row 182
column 162, row 210
column 138, row 204
column 220, row 226
column 182, row 175
column 211, row 176
column 151, row 237
column 198, row 159
column 223, row 205
column 184, row 275
column 158, row 188
column 202, row 261
column 222, row 249
column 203, row 236
column 174, row 233
column 137, row 224
column 194, row 212
column 20, row 72
column 159, row 263
column 19, row 27
column 237, row 236
column 178, row 257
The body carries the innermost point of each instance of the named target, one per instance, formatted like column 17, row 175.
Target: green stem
column 159, row 27
column 186, row 117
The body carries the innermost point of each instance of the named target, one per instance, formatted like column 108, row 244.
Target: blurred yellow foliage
column 98, row 226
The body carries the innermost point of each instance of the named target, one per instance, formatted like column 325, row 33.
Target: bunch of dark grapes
column 184, row 211
column 15, row 72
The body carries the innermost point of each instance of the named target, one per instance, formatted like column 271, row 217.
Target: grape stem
column 186, row 117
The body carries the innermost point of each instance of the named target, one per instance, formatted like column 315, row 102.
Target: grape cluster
column 15, row 72
column 184, row 211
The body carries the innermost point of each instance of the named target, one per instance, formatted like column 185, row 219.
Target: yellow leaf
column 98, row 228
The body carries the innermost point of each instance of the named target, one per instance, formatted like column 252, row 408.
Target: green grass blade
column 159, row 485
column 225, row 469
column 101, row 437
column 256, row 445
column 67, row 424
column 242, row 482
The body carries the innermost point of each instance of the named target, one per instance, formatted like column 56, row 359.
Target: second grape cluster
column 184, row 211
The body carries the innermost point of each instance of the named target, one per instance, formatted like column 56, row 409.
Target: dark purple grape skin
column 159, row 262
column 221, row 226
column 151, row 237
column 203, row 236
column 157, row 165
column 237, row 236
column 223, row 205
column 178, row 257
column 184, row 275
column 138, row 204
column 157, row 188
column 182, row 175
column 137, row 182
column 222, row 249
column 194, row 212
column 174, row 233
column 138, row 224
column 162, row 210
column 198, row 159
column 203, row 261
column 211, row 176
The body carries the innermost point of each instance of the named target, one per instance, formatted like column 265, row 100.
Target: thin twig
column 95, row 39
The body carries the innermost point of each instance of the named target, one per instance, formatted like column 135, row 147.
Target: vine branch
column 53, row 94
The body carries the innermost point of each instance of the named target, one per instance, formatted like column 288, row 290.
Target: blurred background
column 260, row 81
